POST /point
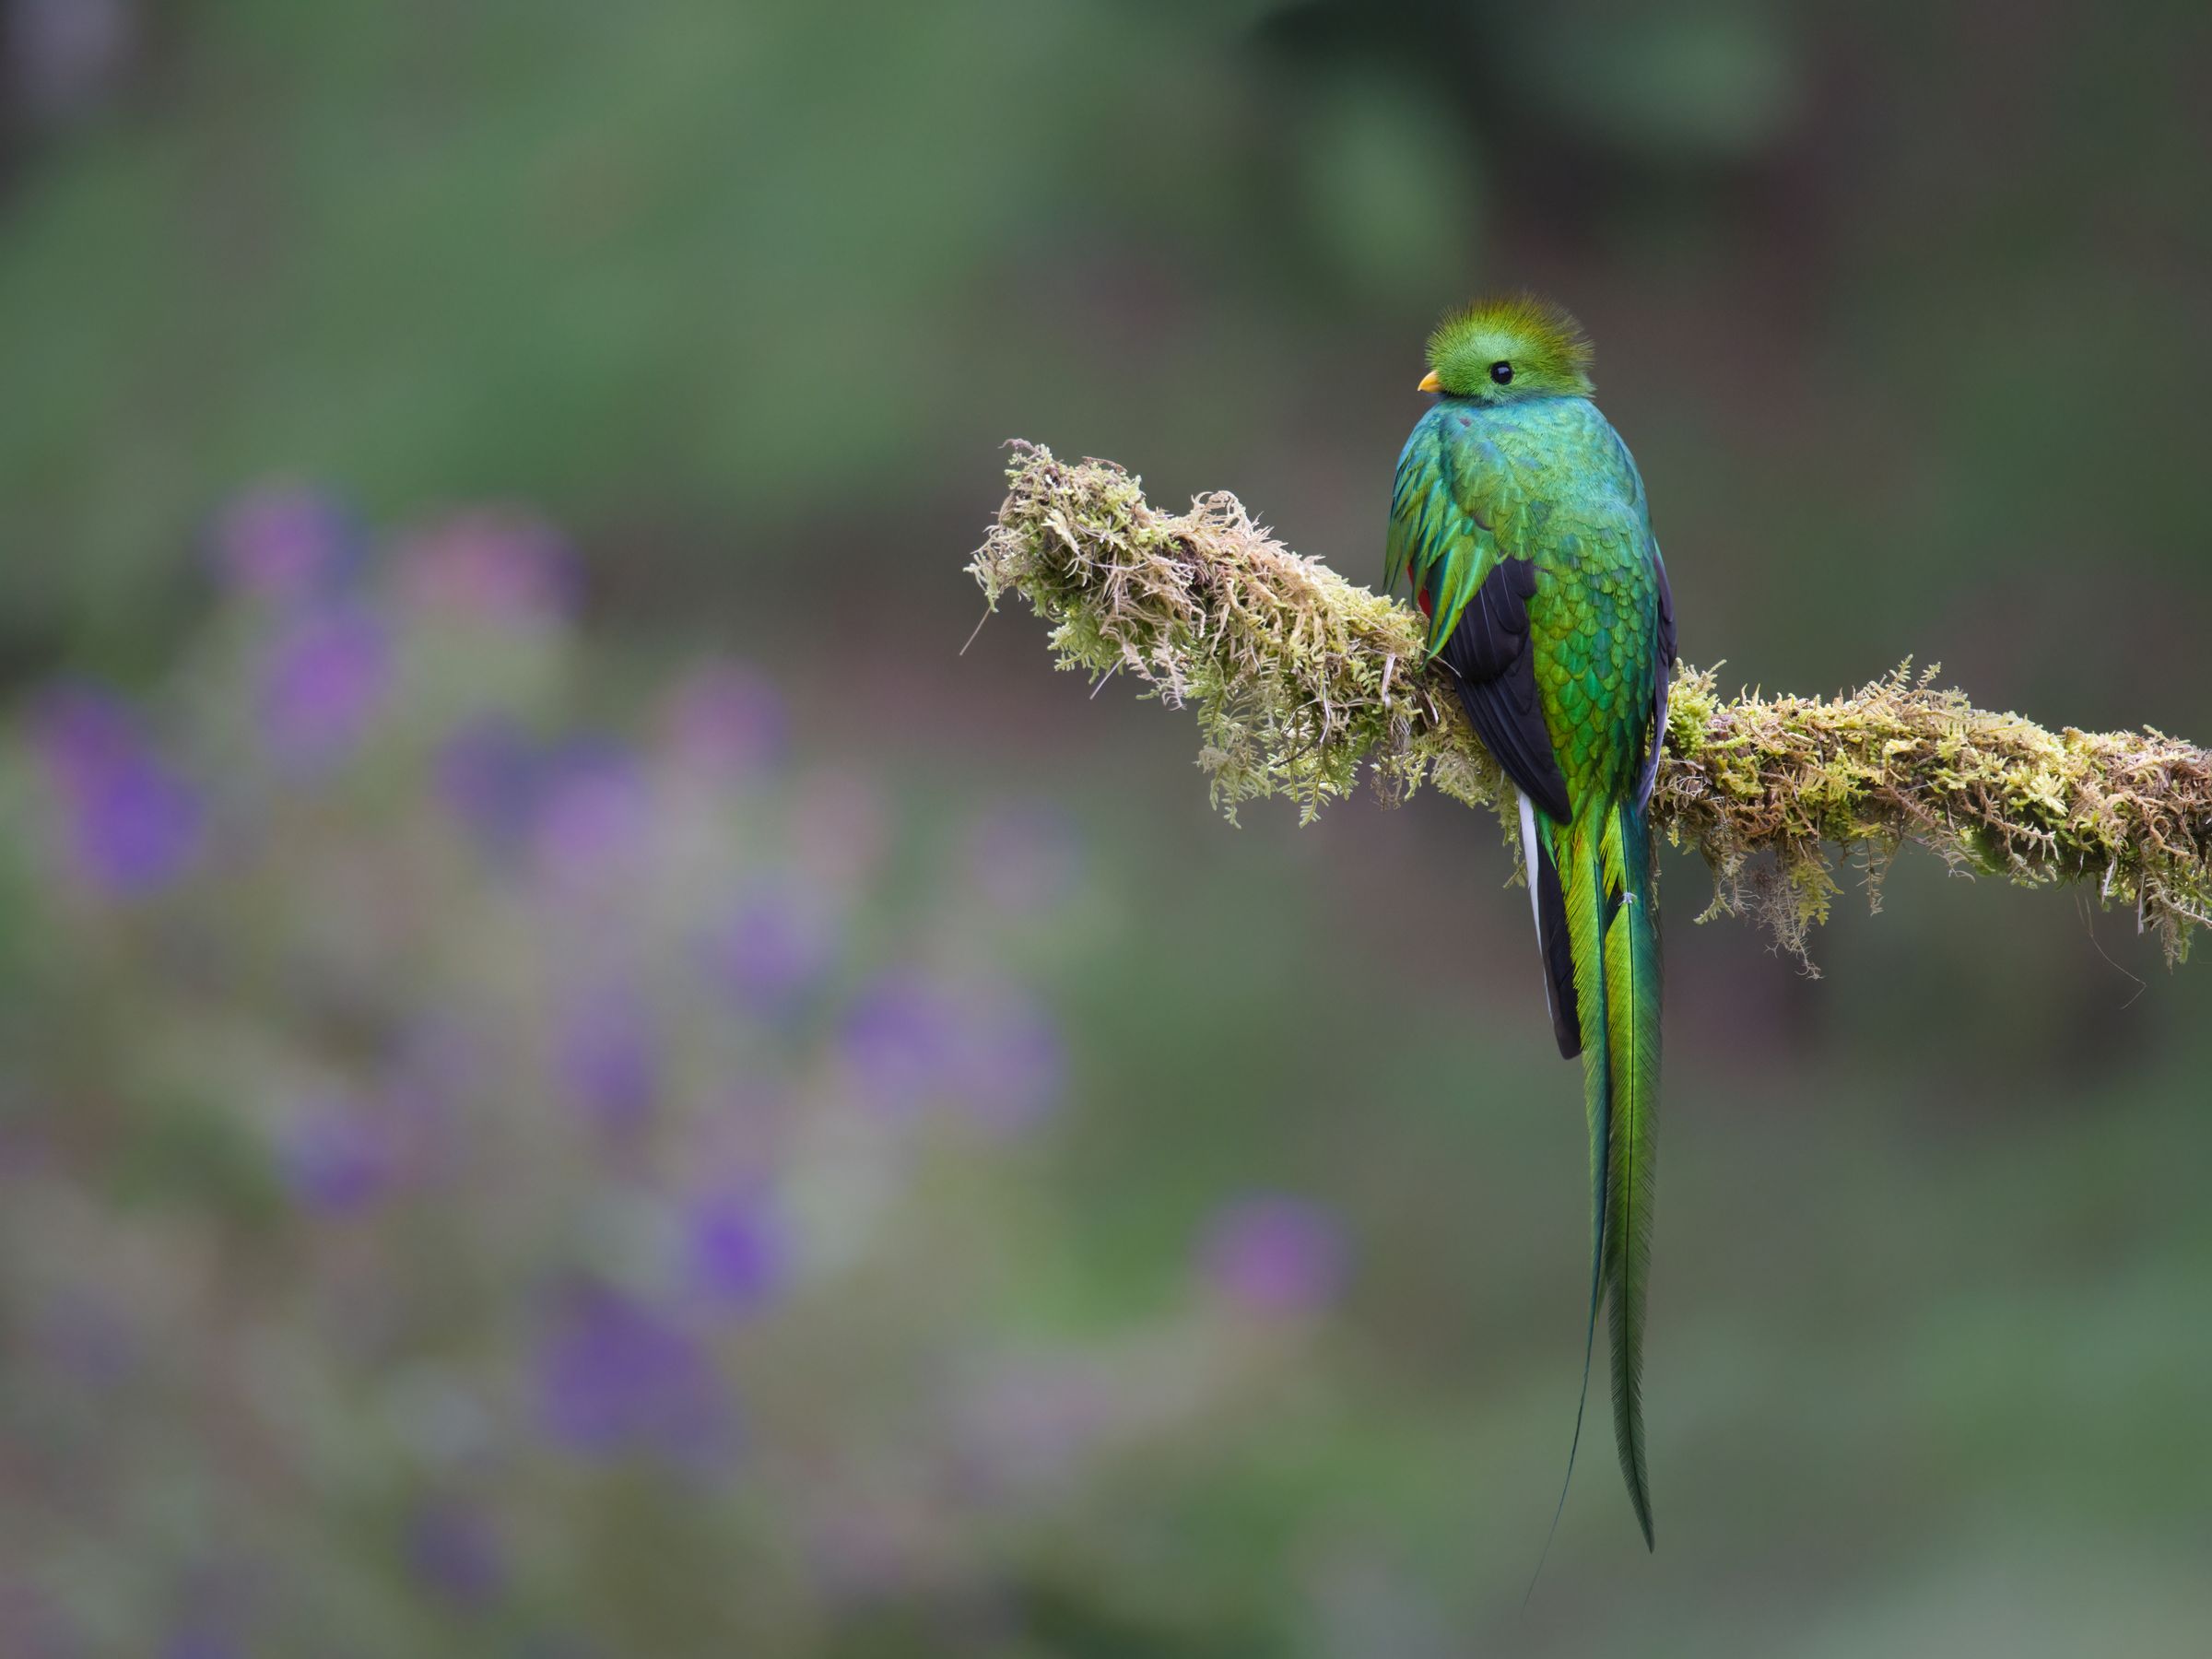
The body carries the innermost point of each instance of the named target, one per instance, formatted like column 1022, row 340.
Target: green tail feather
column 1606, row 878
column 1576, row 849
column 1632, row 995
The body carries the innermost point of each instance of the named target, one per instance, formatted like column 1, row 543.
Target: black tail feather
column 1558, row 954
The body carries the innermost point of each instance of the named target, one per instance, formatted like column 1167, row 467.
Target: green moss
column 1303, row 684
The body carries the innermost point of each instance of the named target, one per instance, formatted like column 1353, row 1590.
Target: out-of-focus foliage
column 635, row 267
column 500, row 1172
column 574, row 1082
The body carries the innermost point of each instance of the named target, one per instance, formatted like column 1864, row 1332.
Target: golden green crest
column 1507, row 347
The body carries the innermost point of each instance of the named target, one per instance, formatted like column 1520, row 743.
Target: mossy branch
column 1302, row 681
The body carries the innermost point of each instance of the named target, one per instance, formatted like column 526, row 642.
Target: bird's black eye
column 1502, row 373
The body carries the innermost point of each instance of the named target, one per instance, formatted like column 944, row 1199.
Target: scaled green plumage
column 1519, row 519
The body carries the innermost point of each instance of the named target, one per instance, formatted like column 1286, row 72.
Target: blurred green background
column 575, row 1081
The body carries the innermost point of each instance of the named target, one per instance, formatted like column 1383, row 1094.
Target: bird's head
column 1509, row 349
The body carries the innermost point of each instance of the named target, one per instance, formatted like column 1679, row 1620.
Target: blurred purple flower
column 325, row 679
column 593, row 813
column 585, row 808
column 727, row 720
column 335, row 1160
column 1274, row 1254
column 616, row 1377
column 771, row 948
column 286, row 542
column 897, row 1040
column 736, row 1254
column 489, row 774
column 608, row 1058
column 490, row 564
column 84, row 734
column 199, row 1642
column 454, row 1553
column 1025, row 855
column 134, row 825
column 135, row 831
column 994, row 1051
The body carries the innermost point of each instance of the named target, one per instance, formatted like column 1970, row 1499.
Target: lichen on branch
column 1304, row 683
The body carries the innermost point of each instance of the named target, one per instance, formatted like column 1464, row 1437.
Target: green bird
column 1519, row 519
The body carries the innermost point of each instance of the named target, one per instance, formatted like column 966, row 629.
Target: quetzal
column 1519, row 519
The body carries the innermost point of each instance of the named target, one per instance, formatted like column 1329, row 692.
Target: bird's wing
column 1455, row 511
column 1459, row 530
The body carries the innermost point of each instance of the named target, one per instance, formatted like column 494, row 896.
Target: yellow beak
column 1429, row 383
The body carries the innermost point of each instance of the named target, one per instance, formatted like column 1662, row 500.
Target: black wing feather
column 1496, row 672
